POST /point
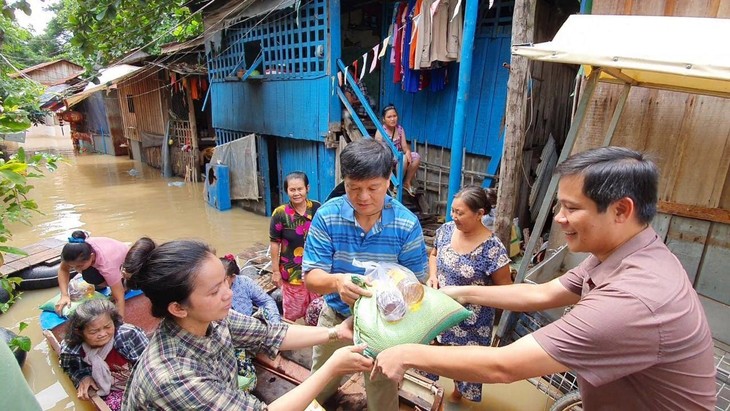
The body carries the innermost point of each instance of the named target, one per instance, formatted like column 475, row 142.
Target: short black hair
column 295, row 175
column 612, row 173
column 365, row 159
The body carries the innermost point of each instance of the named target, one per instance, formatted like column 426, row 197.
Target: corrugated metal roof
column 108, row 77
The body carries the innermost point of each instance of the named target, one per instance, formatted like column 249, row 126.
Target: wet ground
column 117, row 197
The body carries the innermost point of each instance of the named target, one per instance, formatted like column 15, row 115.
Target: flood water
column 119, row 198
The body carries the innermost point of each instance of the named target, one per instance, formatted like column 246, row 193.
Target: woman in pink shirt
column 98, row 259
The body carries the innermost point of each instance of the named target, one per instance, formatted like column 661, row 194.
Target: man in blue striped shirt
column 367, row 225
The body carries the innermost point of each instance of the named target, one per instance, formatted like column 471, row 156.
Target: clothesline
column 417, row 58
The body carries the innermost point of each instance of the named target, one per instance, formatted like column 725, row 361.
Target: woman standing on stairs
column 398, row 135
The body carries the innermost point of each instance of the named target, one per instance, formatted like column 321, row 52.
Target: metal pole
column 462, row 95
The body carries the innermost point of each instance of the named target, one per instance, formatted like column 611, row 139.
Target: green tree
column 15, row 176
column 105, row 30
column 19, row 103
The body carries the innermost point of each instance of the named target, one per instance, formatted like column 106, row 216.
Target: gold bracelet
column 333, row 335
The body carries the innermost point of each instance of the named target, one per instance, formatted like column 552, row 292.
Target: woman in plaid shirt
column 190, row 363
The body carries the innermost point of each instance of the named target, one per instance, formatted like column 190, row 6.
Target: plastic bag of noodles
column 420, row 323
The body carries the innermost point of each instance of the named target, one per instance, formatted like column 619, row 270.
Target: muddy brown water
column 98, row 193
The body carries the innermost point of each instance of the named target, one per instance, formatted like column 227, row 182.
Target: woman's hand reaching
column 350, row 359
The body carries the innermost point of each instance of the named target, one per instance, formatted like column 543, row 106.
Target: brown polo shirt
column 638, row 339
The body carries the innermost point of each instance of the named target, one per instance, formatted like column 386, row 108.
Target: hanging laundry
column 411, row 78
column 423, row 43
column 455, row 32
column 194, row 88
column 398, row 45
column 413, row 44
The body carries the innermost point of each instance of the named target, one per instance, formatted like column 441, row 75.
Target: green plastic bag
column 436, row 313
column 50, row 305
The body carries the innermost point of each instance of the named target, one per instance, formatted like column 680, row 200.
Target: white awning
column 107, row 78
column 676, row 53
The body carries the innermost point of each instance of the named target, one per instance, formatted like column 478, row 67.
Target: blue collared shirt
column 335, row 239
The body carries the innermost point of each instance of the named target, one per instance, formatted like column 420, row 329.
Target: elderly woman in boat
column 190, row 363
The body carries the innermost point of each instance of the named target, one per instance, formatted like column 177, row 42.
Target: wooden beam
column 617, row 73
column 717, row 215
column 510, row 173
column 616, row 115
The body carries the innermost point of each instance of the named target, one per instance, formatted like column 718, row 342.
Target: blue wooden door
column 311, row 158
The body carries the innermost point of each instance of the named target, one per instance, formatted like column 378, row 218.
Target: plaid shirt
column 182, row 371
column 129, row 341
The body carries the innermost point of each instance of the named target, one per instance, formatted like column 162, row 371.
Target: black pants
column 92, row 276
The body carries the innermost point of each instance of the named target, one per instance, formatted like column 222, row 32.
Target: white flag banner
column 375, row 58
column 384, row 47
column 457, row 8
column 364, row 66
column 434, row 6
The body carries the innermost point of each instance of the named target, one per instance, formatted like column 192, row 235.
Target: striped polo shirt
column 335, row 239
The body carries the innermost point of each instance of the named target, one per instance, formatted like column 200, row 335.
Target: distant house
column 51, row 73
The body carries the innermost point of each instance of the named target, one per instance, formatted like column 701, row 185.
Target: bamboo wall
column 150, row 103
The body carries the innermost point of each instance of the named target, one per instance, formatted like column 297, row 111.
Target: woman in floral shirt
column 467, row 253
column 289, row 227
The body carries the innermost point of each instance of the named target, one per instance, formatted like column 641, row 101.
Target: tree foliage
column 15, row 176
column 105, row 30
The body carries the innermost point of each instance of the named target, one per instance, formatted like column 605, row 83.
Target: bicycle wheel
column 568, row 402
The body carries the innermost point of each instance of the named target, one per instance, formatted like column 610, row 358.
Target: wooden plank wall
column 551, row 86
column 54, row 73
column 703, row 248
column 149, row 93
column 689, row 138
column 688, row 135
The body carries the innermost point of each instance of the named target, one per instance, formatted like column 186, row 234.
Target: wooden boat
column 287, row 370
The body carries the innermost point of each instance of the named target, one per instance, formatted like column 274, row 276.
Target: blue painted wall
column 288, row 108
column 312, row 158
column 428, row 116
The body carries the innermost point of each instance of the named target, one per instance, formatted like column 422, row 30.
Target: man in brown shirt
column 637, row 335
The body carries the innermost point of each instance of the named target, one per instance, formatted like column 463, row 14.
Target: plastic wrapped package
column 396, row 288
column 78, row 289
column 407, row 283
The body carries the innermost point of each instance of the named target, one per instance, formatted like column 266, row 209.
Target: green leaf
column 12, row 176
column 22, row 326
column 12, row 250
column 20, row 342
